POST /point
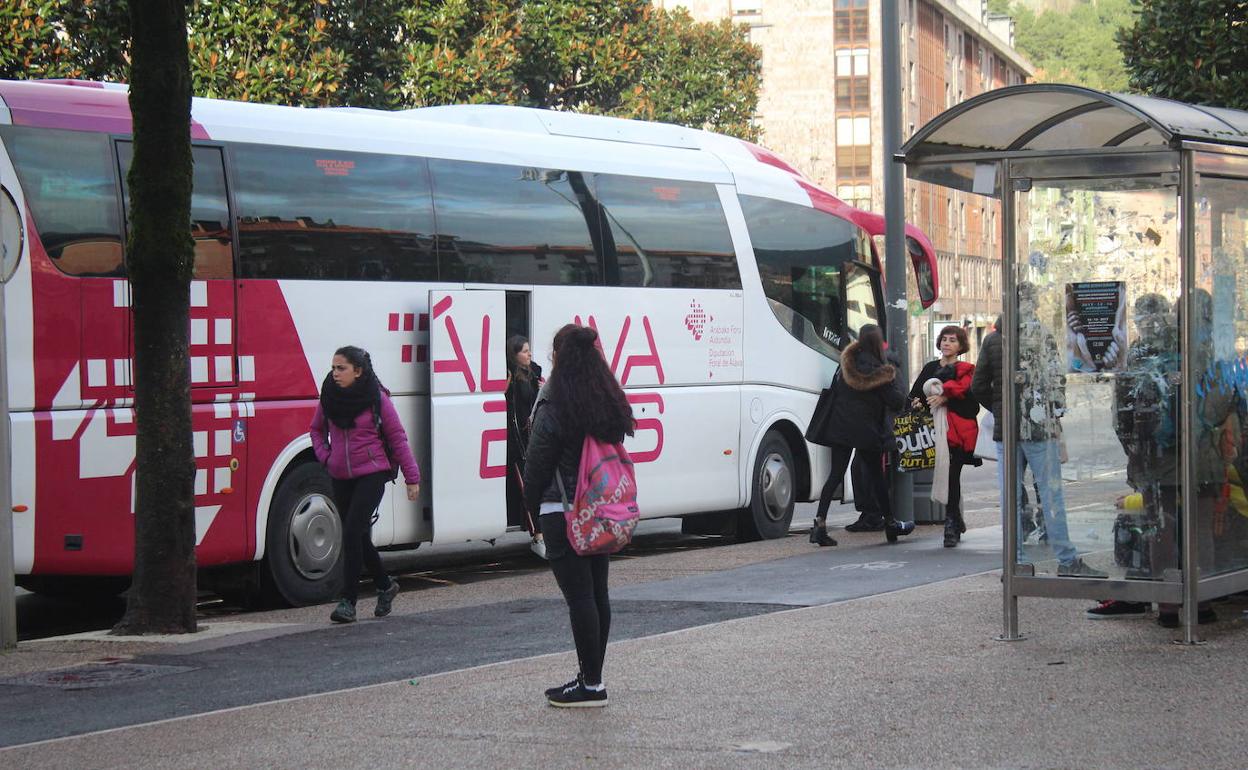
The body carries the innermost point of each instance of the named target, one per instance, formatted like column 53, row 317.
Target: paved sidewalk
column 912, row 678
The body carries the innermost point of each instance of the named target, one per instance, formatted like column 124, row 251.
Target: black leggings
column 873, row 468
column 953, row 508
column 583, row 581
column 356, row 500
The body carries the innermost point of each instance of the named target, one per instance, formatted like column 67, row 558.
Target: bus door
column 222, row 390
column 468, row 414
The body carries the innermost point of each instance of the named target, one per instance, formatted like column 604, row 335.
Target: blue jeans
column 1046, row 466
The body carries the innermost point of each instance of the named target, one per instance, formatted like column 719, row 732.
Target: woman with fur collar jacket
column 865, row 394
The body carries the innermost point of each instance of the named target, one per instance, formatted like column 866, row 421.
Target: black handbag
column 820, row 426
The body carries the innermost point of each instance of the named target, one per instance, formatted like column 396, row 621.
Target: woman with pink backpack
column 581, row 397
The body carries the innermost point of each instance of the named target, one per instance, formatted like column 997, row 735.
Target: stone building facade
column 820, row 109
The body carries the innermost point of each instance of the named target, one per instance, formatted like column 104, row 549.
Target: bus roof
column 516, row 135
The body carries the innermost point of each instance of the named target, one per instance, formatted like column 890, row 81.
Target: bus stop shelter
column 1125, row 338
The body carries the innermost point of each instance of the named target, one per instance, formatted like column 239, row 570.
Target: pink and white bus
column 721, row 281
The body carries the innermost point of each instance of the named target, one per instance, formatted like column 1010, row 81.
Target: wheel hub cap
column 776, row 482
column 315, row 536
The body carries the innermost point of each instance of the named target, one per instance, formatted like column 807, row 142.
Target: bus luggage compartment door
column 468, row 420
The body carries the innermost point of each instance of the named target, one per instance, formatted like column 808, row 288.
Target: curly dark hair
column 964, row 342
column 360, row 359
column 583, row 389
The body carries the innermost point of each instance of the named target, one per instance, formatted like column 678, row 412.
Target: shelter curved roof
column 1044, row 117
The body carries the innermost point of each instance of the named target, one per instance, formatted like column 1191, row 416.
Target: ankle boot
column 819, row 533
column 893, row 528
column 952, row 535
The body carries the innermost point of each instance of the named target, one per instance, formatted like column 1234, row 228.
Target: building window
column 858, row 195
column 853, row 130
column 747, row 7
column 853, row 94
column 853, row 162
column 852, row 62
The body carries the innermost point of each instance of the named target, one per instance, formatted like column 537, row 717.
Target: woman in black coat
column 524, row 378
column 865, row 394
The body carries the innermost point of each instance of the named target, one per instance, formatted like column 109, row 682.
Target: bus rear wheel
column 303, row 542
column 772, row 492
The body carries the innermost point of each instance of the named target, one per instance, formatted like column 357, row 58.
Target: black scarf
column 343, row 405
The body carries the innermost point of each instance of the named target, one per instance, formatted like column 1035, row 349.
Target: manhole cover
column 99, row 675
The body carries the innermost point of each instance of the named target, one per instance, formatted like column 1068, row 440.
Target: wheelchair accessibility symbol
column 874, row 566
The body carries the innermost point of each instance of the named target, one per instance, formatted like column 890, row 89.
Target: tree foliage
column 1190, row 50
column 716, row 89
column 85, row 39
column 1076, row 47
column 613, row 57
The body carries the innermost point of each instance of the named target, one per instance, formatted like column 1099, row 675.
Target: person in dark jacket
column 524, row 377
column 870, row 512
column 357, row 436
column 986, row 381
column 960, row 407
column 870, row 509
column 1041, row 405
column 581, row 397
column 865, row 394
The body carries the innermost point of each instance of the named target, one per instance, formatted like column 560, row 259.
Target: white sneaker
column 538, row 547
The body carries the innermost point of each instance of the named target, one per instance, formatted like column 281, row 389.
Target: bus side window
column 71, row 189
column 665, row 233
column 332, row 215
column 210, row 217
column 801, row 253
column 513, row 224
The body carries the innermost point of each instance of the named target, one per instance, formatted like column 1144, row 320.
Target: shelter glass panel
column 1221, row 363
column 1098, row 364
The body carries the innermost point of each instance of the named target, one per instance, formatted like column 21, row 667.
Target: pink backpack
column 604, row 514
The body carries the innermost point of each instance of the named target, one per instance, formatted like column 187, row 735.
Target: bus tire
column 303, row 541
column 772, row 492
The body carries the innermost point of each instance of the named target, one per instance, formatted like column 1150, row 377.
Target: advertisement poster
column 1096, row 326
column 916, row 441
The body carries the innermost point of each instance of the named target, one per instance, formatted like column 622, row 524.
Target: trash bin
column 926, row 510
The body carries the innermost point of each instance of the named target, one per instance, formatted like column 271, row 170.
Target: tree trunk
column 160, row 255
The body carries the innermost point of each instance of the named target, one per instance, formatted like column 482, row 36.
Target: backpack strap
column 385, row 445
column 563, row 493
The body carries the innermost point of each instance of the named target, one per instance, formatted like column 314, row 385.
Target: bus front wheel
column 303, row 544
column 772, row 492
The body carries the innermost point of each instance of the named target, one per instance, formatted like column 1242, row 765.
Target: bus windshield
column 811, row 270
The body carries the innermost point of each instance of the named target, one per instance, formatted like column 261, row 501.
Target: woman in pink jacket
column 357, row 436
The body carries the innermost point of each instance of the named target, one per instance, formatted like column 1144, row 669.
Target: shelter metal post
column 1191, row 356
column 895, row 257
column 1009, row 406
